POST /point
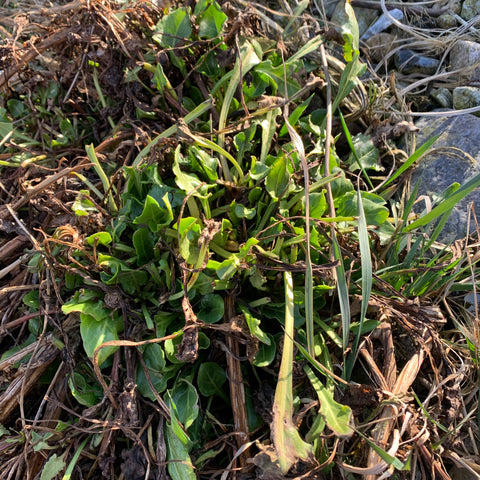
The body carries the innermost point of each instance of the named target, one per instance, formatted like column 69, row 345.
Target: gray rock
column 440, row 168
column 470, row 9
column 465, row 56
column 443, row 96
column 382, row 23
column 447, row 20
column 466, row 97
column 408, row 61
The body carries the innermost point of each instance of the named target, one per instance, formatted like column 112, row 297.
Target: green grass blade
column 411, row 160
column 446, row 205
column 73, row 462
column 367, row 280
column 92, row 156
column 342, row 290
column 287, row 441
column 247, row 60
column 348, row 136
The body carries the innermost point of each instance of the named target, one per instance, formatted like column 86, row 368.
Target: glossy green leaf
column 89, row 303
column 266, row 353
column 154, row 359
column 185, row 398
column 84, row 393
column 99, row 238
column 350, row 34
column 154, row 216
column 179, row 463
column 210, row 379
column 95, row 332
column 278, row 178
column 173, row 28
column 144, row 241
column 212, row 308
column 211, row 21
column 365, row 154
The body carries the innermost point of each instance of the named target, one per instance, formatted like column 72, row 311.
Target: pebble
column 464, row 55
column 443, row 97
column 382, row 23
column 408, row 61
column 466, row 97
column 447, row 20
column 470, row 9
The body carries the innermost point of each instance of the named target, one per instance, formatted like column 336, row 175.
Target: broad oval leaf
column 210, row 379
column 173, row 28
column 212, row 308
column 278, row 178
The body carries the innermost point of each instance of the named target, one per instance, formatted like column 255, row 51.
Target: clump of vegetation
column 206, row 272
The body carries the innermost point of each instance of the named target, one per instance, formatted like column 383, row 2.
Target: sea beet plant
column 211, row 272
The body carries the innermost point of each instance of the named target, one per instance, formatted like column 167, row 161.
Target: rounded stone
column 470, row 9
column 408, row 61
column 443, row 97
column 447, row 20
column 465, row 57
column 466, row 97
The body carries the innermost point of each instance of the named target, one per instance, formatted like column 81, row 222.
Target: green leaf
column 288, row 444
column 364, row 154
column 154, row 216
column 173, row 28
column 350, row 34
column 211, row 21
column 277, row 76
column 99, row 238
column 212, row 308
column 179, row 463
column 84, row 393
column 185, row 398
column 144, row 242
column 210, row 379
column 241, row 211
column 338, row 417
column 95, row 332
column 53, row 466
column 88, row 303
column 187, row 182
column 374, row 206
column 254, row 326
column 318, row 204
column 154, row 359
column 83, row 206
column 189, row 231
column 278, row 178
column 266, row 353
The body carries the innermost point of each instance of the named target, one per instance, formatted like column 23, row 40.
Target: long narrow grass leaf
column 348, row 136
column 411, row 160
column 287, row 441
column 446, row 205
column 342, row 290
column 367, row 279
